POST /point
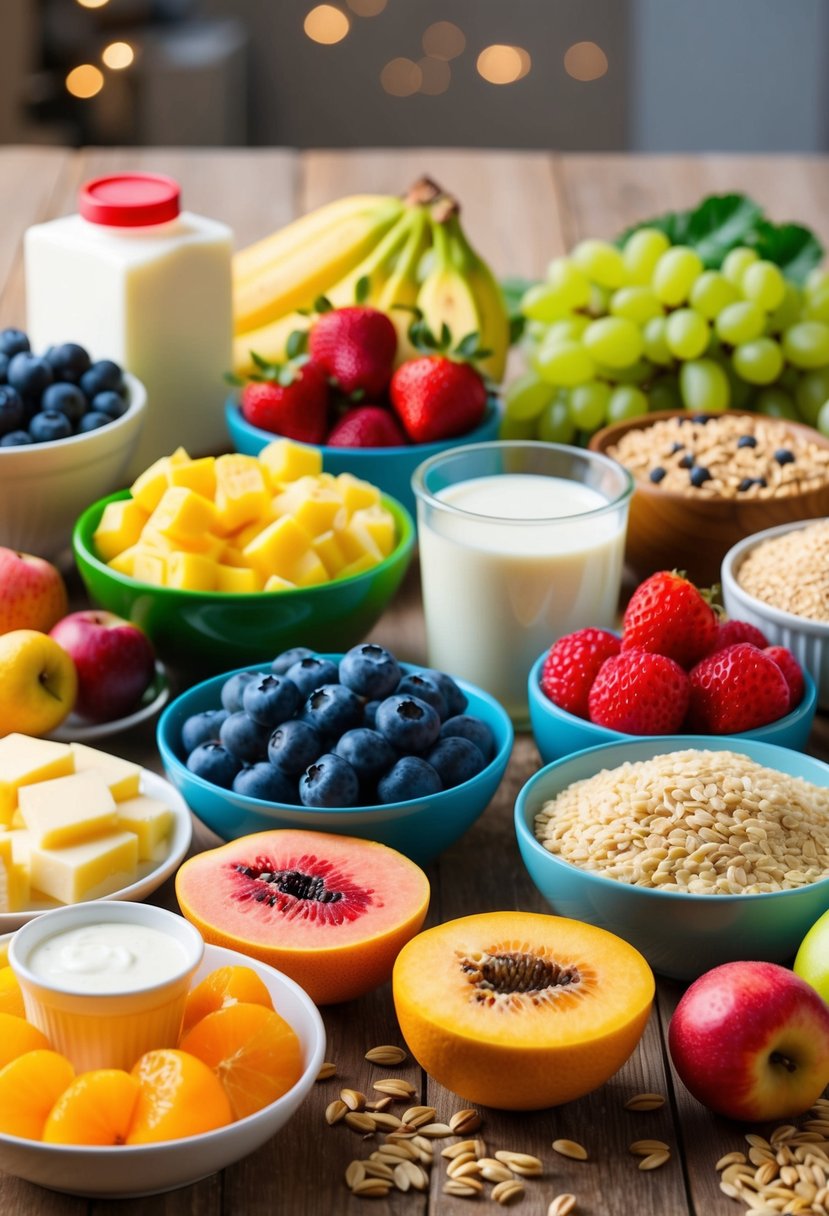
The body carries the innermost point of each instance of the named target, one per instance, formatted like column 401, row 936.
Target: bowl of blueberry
column 356, row 743
column 68, row 428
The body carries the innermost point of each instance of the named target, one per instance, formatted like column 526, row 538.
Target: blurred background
column 647, row 75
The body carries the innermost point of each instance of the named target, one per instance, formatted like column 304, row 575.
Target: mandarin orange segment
column 253, row 1051
column 11, row 998
column 29, row 1087
column 178, row 1096
column 96, row 1108
column 18, row 1036
column 222, row 987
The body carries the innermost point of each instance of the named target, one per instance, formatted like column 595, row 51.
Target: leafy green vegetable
column 792, row 247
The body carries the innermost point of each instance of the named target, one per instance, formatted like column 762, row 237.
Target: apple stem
column 42, row 678
column 777, row 1057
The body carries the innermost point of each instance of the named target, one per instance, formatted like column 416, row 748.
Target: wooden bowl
column 672, row 531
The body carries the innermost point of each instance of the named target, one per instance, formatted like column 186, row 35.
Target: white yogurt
column 109, row 957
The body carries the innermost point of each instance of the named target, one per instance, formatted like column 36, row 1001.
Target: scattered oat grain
column 570, row 1148
column 386, row 1055
column 327, row 1069
column 562, row 1205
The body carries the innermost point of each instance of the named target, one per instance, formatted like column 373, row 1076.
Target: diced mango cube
column 120, row 527
column 250, row 531
column 149, row 567
column 277, row 548
column 379, row 524
column 358, row 566
column 149, row 486
column 242, row 494
column 151, row 822
column 329, row 552
column 238, row 580
column 183, row 514
column 191, row 572
column 357, row 493
column 277, row 583
column 124, row 563
column 285, row 460
column 320, row 511
column 355, row 540
column 198, row 475
column 25, row 760
column 232, row 555
column 308, row 570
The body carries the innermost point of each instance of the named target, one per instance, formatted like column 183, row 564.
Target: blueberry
column 465, row 726
column 287, row 659
column 329, row 781
column 746, row 441
column 456, row 698
column 66, row 399
column 370, row 670
column 15, row 439
column 702, row 419
column 409, row 724
column 294, row 745
column 92, row 421
column 263, row 781
column 784, row 456
column 368, row 753
column 761, row 482
column 214, row 763
column 234, row 687
column 270, row 700
column 11, row 410
column 332, row 709
column 699, row 476
column 455, row 760
column 656, row 474
column 102, row 376
column 245, row 738
column 312, row 672
column 29, row 374
column 745, row 484
column 201, row 728
column 4, row 367
column 13, row 342
column 48, row 425
column 411, row 777
column 675, row 447
column 370, row 713
column 68, row 361
column 687, row 461
column 421, row 684
column 110, row 403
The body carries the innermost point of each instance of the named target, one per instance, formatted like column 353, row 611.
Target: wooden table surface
column 520, row 210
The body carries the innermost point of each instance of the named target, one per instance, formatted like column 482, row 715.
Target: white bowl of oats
column 778, row 580
column 696, row 850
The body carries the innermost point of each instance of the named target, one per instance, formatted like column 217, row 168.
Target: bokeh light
column 85, row 81
column 435, row 76
column 585, row 61
column 444, row 40
column 401, row 77
column 367, row 8
column 326, row 24
column 92, row 3
column 118, row 55
column 501, row 64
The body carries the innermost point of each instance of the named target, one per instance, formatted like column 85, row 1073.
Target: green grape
column 526, row 396
column 555, row 424
column 614, row 341
column 601, row 262
column 565, row 276
column 588, row 405
column 534, row 331
column 543, row 302
column 775, row 403
column 737, row 262
column 664, row 394
column 686, row 333
column 675, row 274
column 759, row 362
column 790, row 378
column 599, row 301
column 637, row 304
column 642, row 251
column 741, row 393
column 816, row 280
column 807, row 344
column 817, row 305
column 763, row 283
column 655, row 343
column 812, row 392
column 704, row 386
column 822, row 422
column 788, row 312
column 517, row 428
column 564, row 363
column 626, row 402
column 638, row 372
column 741, row 322
column 711, row 293
column 569, row 330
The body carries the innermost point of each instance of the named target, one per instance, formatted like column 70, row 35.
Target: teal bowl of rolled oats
column 696, row 850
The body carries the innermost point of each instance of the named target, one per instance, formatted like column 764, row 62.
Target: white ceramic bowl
column 130, row 1171
column 44, row 487
column 808, row 640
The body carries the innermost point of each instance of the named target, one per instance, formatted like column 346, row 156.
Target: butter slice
column 24, row 760
column 122, row 776
column 67, row 810
column 86, row 871
column 14, row 880
column 149, row 819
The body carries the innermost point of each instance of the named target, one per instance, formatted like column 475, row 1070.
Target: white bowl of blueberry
column 68, row 428
column 358, row 744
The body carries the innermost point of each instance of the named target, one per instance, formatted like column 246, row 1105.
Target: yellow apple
column 38, row 683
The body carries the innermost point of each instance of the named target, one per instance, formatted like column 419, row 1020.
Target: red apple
column 751, row 1041
column 114, row 660
column 32, row 592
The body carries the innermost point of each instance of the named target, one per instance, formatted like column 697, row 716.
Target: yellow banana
column 296, row 280
column 445, row 297
column 377, row 266
column 494, row 333
column 401, row 287
column 282, row 243
column 269, row 341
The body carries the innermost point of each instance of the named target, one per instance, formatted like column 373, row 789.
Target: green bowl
column 216, row 630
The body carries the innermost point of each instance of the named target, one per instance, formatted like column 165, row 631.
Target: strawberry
column 792, row 672
column 736, row 689
column 356, row 347
column 367, row 426
column 731, row 632
column 668, row 615
column 571, row 666
column 293, row 403
column 437, row 397
column 640, row 693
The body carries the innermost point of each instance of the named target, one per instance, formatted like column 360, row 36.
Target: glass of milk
column 520, row 543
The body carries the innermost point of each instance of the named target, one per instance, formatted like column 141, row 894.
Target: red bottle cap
column 129, row 200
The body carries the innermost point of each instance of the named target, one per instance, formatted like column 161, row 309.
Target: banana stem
column 422, row 192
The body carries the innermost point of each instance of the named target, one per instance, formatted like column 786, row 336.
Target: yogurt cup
column 106, row 981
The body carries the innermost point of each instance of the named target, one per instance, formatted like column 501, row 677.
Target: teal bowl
column 558, row 733
column 681, row 935
column 389, row 468
column 421, row 827
column 215, row 630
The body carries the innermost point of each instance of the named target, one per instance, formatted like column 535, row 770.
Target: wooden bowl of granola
column 705, row 481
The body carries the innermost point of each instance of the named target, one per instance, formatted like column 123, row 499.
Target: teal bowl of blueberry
column 357, row 744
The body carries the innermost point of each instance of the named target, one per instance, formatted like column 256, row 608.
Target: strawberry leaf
column 232, row 378
column 263, row 364
column 362, row 289
column 297, row 343
column 445, row 340
column 467, row 348
column 323, row 304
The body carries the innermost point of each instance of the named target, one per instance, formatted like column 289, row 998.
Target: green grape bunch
column 615, row 332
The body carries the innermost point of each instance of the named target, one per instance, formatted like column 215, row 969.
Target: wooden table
column 520, row 210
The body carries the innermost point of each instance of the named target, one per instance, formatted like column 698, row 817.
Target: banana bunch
column 411, row 252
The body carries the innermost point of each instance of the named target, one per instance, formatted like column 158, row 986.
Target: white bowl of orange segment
column 251, row 1047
